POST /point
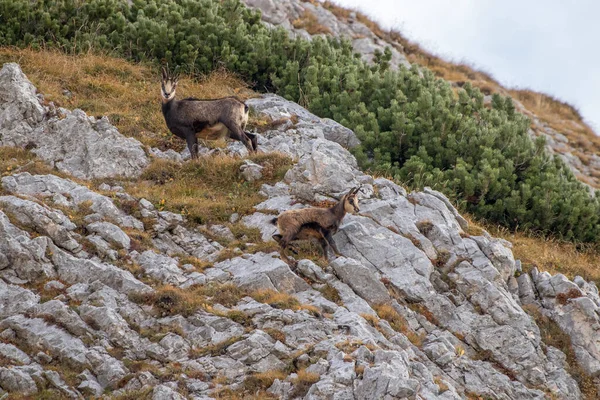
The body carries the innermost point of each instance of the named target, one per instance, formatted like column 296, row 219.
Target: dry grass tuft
column 371, row 319
column 303, row 382
column 199, row 264
column 556, row 256
column 310, row 23
column 349, row 346
column 127, row 93
column 422, row 309
column 563, row 298
column 282, row 301
column 387, row 312
column 156, row 333
column 217, row 349
column 140, row 241
column 331, row 294
column 275, row 334
column 208, row 190
column 398, row 323
column 443, row 387
column 546, row 106
column 14, row 160
column 50, row 293
column 262, row 380
column 171, row 300
column 276, row 299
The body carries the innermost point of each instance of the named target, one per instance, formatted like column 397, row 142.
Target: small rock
column 251, row 171
column 111, row 233
column 163, row 392
column 54, row 285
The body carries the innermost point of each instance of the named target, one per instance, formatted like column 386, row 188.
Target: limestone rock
column 251, row 171
column 263, row 271
column 22, row 257
column 76, row 144
column 69, row 194
column 20, row 109
column 52, row 223
column 111, row 233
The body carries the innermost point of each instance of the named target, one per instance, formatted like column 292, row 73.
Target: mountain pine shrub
column 413, row 127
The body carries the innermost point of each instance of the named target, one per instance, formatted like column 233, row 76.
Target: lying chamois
column 192, row 118
column 314, row 222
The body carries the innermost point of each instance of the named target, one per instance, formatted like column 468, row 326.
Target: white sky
column 545, row 45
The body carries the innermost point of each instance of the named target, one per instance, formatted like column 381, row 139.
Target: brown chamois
column 193, row 118
column 314, row 222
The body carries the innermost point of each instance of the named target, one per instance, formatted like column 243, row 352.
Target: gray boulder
column 90, row 149
column 74, row 270
column 263, row 271
column 37, row 333
column 276, row 107
column 20, row 110
column 22, row 258
column 392, row 255
column 76, row 144
column 68, row 194
column 42, row 219
column 15, row 379
column 111, row 233
column 15, row 300
column 364, row 281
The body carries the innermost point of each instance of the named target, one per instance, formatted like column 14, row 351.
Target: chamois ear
column 353, row 191
column 165, row 74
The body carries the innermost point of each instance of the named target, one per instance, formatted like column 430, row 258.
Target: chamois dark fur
column 193, row 118
column 314, row 222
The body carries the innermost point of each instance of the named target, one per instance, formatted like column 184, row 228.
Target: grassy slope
column 126, row 91
column 208, row 191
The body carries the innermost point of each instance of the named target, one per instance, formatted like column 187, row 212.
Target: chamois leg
column 192, row 143
column 284, row 243
column 278, row 237
column 324, row 246
column 236, row 133
column 253, row 140
column 329, row 239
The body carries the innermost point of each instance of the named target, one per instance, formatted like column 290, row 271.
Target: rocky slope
column 417, row 307
column 571, row 139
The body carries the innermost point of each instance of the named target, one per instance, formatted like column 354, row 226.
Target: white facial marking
column 167, row 90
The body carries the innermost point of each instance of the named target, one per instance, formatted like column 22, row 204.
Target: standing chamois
column 193, row 118
column 314, row 222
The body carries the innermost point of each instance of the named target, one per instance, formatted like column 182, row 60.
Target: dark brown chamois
column 314, row 222
column 193, row 118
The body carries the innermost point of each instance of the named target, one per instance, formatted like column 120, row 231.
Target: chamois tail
column 274, row 221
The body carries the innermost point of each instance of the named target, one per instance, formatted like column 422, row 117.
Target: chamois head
column 168, row 85
column 351, row 201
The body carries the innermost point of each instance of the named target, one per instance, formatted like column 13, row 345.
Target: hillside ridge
column 119, row 297
column 561, row 124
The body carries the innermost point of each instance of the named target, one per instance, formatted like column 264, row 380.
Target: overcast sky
column 552, row 46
